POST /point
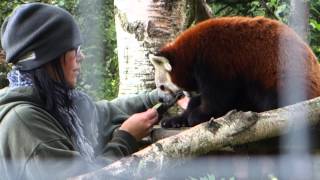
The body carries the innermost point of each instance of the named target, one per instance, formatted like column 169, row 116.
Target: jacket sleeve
column 117, row 110
column 35, row 146
column 136, row 103
column 58, row 159
column 36, row 143
column 105, row 117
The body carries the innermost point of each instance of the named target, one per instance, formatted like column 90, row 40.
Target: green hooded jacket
column 34, row 145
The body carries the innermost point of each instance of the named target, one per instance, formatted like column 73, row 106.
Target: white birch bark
column 232, row 129
column 142, row 26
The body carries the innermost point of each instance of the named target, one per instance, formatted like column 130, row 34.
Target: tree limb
column 202, row 11
column 234, row 128
column 199, row 11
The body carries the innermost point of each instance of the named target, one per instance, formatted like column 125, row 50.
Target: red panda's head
column 162, row 77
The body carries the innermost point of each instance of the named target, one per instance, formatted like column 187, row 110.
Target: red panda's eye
column 162, row 87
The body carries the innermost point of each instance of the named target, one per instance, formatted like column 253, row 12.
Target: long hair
column 53, row 93
column 57, row 97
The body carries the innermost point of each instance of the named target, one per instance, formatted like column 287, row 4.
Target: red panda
column 234, row 63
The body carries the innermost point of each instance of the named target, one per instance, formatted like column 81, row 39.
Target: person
column 48, row 129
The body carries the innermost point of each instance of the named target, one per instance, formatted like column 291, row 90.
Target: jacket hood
column 10, row 97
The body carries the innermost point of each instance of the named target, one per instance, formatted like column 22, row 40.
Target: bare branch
column 202, row 11
column 233, row 129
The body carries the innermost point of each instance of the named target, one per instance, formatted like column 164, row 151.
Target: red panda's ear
column 160, row 61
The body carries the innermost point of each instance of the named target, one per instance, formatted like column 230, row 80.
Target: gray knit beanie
column 37, row 33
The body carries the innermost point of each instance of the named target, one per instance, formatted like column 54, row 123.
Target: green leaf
column 314, row 24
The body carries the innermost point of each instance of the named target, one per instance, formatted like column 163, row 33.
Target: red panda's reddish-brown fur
column 232, row 49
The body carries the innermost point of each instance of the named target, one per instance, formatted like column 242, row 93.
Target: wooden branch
column 198, row 11
column 202, row 11
column 232, row 129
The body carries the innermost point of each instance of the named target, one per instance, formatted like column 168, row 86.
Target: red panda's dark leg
column 256, row 98
column 217, row 96
column 198, row 115
column 214, row 105
column 182, row 120
column 175, row 122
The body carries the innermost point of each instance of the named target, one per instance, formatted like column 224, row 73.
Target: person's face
column 70, row 63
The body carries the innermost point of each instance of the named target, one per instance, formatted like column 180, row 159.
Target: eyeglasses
column 79, row 55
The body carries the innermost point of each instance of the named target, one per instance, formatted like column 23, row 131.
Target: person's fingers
column 151, row 113
column 153, row 121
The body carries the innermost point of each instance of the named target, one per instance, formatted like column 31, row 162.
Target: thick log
column 233, row 129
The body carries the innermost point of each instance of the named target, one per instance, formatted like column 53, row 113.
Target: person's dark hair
column 53, row 94
column 58, row 99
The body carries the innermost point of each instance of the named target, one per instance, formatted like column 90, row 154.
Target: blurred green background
column 100, row 76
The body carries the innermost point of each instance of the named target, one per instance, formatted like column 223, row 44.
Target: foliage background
column 96, row 18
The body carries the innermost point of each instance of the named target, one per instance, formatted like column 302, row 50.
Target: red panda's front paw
column 174, row 122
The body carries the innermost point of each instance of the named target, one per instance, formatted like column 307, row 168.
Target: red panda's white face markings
column 162, row 76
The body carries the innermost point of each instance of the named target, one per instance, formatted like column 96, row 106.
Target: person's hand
column 139, row 125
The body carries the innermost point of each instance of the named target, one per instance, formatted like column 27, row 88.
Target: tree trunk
column 143, row 26
column 299, row 16
column 4, row 69
column 230, row 130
